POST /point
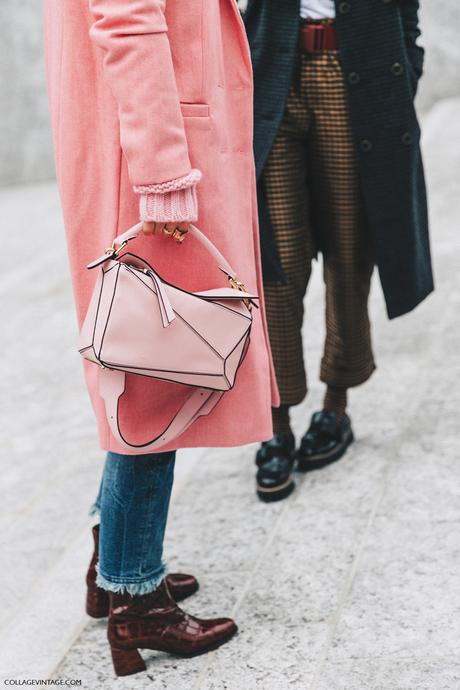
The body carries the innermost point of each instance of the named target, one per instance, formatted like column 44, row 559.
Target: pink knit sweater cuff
column 173, row 201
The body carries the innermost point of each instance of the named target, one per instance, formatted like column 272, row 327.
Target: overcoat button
column 397, row 69
column 407, row 138
column 365, row 145
column 387, row 2
column 344, row 7
column 354, row 78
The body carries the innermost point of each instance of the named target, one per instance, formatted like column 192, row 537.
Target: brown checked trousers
column 315, row 204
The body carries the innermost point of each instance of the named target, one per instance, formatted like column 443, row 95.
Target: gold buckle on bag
column 114, row 250
column 238, row 285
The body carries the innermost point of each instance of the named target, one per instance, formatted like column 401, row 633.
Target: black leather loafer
column 325, row 441
column 275, row 460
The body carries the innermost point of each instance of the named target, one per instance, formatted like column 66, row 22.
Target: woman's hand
column 152, row 228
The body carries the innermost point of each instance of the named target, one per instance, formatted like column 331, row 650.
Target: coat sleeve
column 410, row 22
column 138, row 67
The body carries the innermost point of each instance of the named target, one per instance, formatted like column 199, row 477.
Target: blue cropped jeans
column 133, row 503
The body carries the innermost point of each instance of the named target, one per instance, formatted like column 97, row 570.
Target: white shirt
column 317, row 9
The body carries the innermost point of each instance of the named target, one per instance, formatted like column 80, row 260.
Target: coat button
column 397, row 69
column 344, row 7
column 365, row 145
column 407, row 138
column 354, row 78
column 387, row 2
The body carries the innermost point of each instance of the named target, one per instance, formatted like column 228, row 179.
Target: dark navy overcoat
column 382, row 64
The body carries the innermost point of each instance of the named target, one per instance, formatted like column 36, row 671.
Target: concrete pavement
column 350, row 584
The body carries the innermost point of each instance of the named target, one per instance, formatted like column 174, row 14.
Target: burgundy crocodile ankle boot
column 154, row 621
column 180, row 585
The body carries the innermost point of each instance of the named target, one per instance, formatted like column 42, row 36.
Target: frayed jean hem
column 132, row 588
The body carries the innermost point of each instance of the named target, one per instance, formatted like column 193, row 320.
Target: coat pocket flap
column 194, row 109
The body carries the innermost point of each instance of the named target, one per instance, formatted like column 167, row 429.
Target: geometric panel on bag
column 151, row 346
column 222, row 327
column 212, row 382
column 215, row 320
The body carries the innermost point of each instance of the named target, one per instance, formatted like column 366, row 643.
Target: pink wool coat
column 141, row 92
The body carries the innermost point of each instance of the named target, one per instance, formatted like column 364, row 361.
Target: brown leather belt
column 318, row 38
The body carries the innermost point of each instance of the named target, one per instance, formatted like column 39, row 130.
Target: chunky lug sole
column 98, row 603
column 127, row 662
column 320, row 460
column 277, row 493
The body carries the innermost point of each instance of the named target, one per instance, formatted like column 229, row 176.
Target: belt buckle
column 315, row 38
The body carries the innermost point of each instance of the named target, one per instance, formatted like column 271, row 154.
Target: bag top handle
column 122, row 240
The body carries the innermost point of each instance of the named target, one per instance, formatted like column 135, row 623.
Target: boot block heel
column 126, row 662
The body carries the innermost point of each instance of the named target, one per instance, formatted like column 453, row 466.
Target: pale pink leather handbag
column 139, row 324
